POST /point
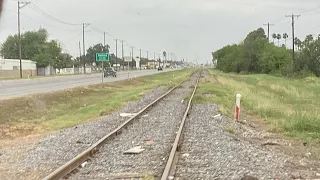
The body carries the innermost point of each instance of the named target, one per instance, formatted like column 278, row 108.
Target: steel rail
column 74, row 163
column 173, row 158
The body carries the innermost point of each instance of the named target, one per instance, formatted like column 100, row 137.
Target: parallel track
column 169, row 170
column 74, row 163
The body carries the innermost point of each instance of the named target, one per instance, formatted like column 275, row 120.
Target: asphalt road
column 16, row 88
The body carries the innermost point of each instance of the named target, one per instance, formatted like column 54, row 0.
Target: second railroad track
column 155, row 131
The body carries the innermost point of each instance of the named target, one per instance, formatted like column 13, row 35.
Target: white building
column 14, row 64
column 10, row 68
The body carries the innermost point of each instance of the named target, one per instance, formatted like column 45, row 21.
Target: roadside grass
column 36, row 77
column 62, row 109
column 290, row 106
column 230, row 129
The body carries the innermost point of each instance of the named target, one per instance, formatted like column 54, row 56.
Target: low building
column 152, row 64
column 46, row 71
column 10, row 68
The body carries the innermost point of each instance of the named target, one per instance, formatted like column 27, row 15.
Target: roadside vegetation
column 279, row 90
column 256, row 55
column 290, row 106
column 58, row 110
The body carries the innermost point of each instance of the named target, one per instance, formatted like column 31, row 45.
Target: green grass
column 291, row 106
column 55, row 111
column 36, row 77
column 230, row 129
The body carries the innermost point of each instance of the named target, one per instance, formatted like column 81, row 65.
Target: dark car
column 160, row 68
column 110, row 72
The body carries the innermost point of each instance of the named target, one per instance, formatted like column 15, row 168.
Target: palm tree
column 308, row 39
column 298, row 43
column 285, row 37
column 274, row 36
column 278, row 37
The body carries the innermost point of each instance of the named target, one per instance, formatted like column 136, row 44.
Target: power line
column 309, row 10
column 43, row 13
column 95, row 28
column 52, row 26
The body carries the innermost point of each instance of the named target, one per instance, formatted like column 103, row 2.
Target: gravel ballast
column 39, row 158
column 154, row 131
column 216, row 148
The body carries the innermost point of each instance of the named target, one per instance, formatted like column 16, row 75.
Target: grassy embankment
column 58, row 110
column 290, row 106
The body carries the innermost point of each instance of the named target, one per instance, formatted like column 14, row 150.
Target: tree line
column 37, row 47
column 255, row 54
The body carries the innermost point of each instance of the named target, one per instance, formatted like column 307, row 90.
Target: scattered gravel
column 216, row 148
column 155, row 132
column 44, row 156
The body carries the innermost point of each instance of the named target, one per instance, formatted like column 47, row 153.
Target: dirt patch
column 206, row 74
column 268, row 139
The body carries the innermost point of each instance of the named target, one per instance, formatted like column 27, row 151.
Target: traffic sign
column 102, row 57
column 127, row 59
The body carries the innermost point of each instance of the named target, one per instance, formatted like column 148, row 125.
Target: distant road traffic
column 16, row 88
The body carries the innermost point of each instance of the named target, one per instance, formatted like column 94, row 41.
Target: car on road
column 160, row 68
column 110, row 72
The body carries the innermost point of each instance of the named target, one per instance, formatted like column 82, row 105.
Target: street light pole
column 132, row 57
column 116, row 53
column 140, row 60
column 154, row 58
column 84, row 25
column 122, row 55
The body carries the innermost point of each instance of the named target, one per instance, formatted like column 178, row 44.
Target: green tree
column 275, row 59
column 34, row 46
column 256, row 55
column 92, row 50
column 253, row 46
column 164, row 54
column 274, row 36
column 308, row 58
column 285, row 37
column 278, row 37
column 62, row 61
column 298, row 43
column 9, row 49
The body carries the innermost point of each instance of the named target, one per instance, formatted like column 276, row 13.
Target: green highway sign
column 102, row 57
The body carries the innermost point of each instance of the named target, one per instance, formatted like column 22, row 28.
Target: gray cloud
column 189, row 28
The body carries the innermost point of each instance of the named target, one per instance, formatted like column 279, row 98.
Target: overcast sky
column 190, row 29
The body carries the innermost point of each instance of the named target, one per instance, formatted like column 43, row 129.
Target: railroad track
column 174, row 115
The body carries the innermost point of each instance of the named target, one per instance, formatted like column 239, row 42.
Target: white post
column 237, row 108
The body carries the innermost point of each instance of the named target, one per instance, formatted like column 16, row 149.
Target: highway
column 16, row 88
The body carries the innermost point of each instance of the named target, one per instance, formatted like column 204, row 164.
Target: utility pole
column 20, row 6
column 147, row 55
column 104, row 46
column 122, row 54
column 154, row 58
column 104, row 39
column 293, row 37
column 79, row 56
column 268, row 30
column 140, row 60
column 116, row 52
column 132, row 57
column 84, row 48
